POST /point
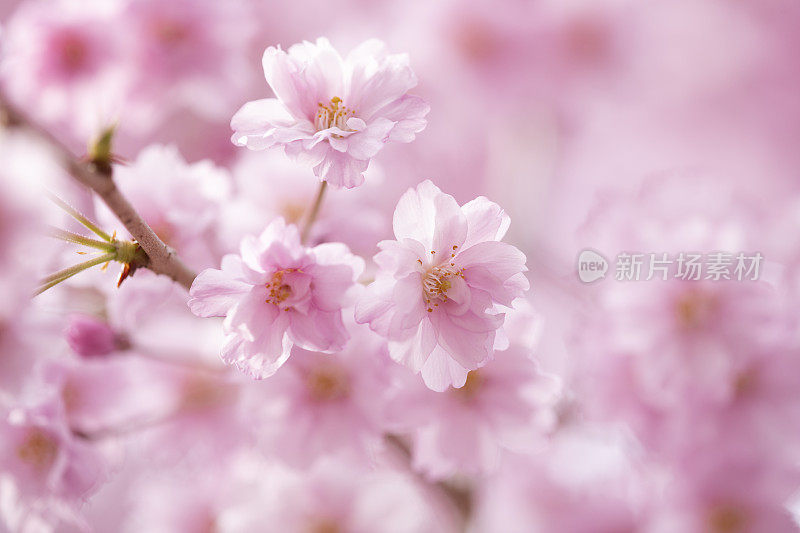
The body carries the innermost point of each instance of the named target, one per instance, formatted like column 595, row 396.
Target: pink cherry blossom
column 440, row 283
column 50, row 467
column 505, row 405
column 268, row 184
column 276, row 294
column 333, row 113
column 339, row 496
column 59, row 60
column 179, row 200
column 319, row 405
column 189, row 53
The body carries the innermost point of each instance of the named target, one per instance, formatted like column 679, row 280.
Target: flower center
column 437, row 282
column 325, row 525
column 74, row 53
column 727, row 519
column 328, row 383
column 278, row 291
column 170, row 32
column 39, row 449
column 694, row 308
column 471, row 387
column 333, row 115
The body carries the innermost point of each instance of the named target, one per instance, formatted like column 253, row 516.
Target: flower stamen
column 278, row 290
column 437, row 282
column 333, row 115
column 39, row 449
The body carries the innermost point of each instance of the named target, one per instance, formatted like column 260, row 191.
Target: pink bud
column 90, row 337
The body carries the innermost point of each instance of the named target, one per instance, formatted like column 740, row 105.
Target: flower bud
column 90, row 337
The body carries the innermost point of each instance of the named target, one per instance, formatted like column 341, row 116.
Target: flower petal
column 214, row 292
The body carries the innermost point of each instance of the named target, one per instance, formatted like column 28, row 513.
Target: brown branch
column 453, row 498
column 161, row 259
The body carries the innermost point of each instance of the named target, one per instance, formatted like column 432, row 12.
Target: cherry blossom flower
column 320, row 405
column 49, row 466
column 277, row 294
column 268, row 185
column 662, row 356
column 440, row 283
column 339, row 496
column 580, row 483
column 333, row 113
column 505, row 405
column 728, row 489
column 59, row 60
column 179, row 200
column 189, row 53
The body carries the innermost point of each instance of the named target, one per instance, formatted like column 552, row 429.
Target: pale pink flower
column 189, row 53
column 338, row 496
column 59, row 61
column 44, row 458
column 667, row 357
column 181, row 201
column 319, row 405
column 277, row 294
column 268, row 185
column 727, row 488
column 508, row 404
column 580, row 484
column 334, row 113
column 440, row 283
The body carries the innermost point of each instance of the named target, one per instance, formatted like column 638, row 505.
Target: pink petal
column 367, row 143
column 469, row 348
column 486, row 221
column 414, row 351
column 440, row 371
column 431, row 217
column 375, row 302
column 254, row 123
column 341, row 170
column 214, row 292
column 319, row 330
column 377, row 78
column 408, row 113
column 499, row 258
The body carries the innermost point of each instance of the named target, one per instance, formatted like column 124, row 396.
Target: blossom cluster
column 365, row 342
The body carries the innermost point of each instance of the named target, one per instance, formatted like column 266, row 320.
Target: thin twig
column 312, row 215
column 161, row 258
column 455, row 502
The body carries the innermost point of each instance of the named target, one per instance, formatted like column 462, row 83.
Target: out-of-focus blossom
column 59, row 61
column 583, row 482
column 662, row 356
column 180, row 201
column 506, row 404
column 333, row 113
column 321, row 405
column 188, row 53
column 268, row 185
column 439, row 283
column 277, row 294
column 338, row 496
column 725, row 489
column 44, row 461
